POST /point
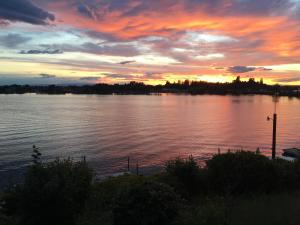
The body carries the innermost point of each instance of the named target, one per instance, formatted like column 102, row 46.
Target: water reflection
column 150, row 129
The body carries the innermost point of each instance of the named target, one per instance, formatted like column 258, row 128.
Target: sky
column 150, row 41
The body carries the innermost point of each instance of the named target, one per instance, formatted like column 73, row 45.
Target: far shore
column 186, row 87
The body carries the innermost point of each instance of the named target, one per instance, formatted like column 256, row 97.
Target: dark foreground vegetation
column 234, row 188
column 237, row 87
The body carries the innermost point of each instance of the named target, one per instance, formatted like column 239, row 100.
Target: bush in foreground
column 240, row 172
column 185, row 175
column 231, row 184
column 53, row 193
column 148, row 203
column 250, row 173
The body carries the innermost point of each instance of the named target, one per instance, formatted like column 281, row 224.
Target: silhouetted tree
column 261, row 81
column 186, row 86
column 237, row 80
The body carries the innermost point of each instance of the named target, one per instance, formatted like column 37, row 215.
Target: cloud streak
column 37, row 51
column 24, row 11
column 288, row 79
column 245, row 69
column 127, row 62
column 90, row 78
column 13, row 40
column 46, row 76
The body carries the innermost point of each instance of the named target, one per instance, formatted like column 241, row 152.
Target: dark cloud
column 118, row 76
column 45, row 51
column 127, row 62
column 115, row 50
column 263, row 69
column 102, row 36
column 122, row 49
column 90, row 78
column 46, row 76
column 260, row 7
column 86, row 10
column 36, row 80
column 24, row 11
column 245, row 69
column 216, row 7
column 126, row 77
column 240, row 69
column 295, row 11
column 13, row 40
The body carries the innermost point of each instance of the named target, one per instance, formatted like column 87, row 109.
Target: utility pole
column 274, row 136
column 274, row 128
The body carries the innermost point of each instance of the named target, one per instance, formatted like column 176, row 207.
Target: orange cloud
column 239, row 33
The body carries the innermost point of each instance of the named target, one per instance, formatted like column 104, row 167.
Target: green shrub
column 241, row 172
column 147, row 203
column 53, row 193
column 187, row 174
column 103, row 197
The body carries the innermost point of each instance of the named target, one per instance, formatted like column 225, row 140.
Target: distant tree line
column 237, row 87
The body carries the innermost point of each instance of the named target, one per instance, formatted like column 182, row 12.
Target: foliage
column 103, row 198
column 53, row 193
column 187, row 174
column 147, row 203
column 241, row 172
column 233, row 188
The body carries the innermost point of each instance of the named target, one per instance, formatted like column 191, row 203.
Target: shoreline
column 186, row 87
column 155, row 94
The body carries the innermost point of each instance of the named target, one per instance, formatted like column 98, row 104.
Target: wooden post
column 274, row 136
column 137, row 168
column 128, row 164
column 257, row 151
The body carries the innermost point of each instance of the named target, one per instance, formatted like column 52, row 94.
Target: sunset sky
column 151, row 41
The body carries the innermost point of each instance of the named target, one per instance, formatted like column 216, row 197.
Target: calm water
column 149, row 129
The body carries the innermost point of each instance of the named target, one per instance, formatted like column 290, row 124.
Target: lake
column 148, row 128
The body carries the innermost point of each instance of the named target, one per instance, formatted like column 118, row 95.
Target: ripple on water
column 149, row 129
